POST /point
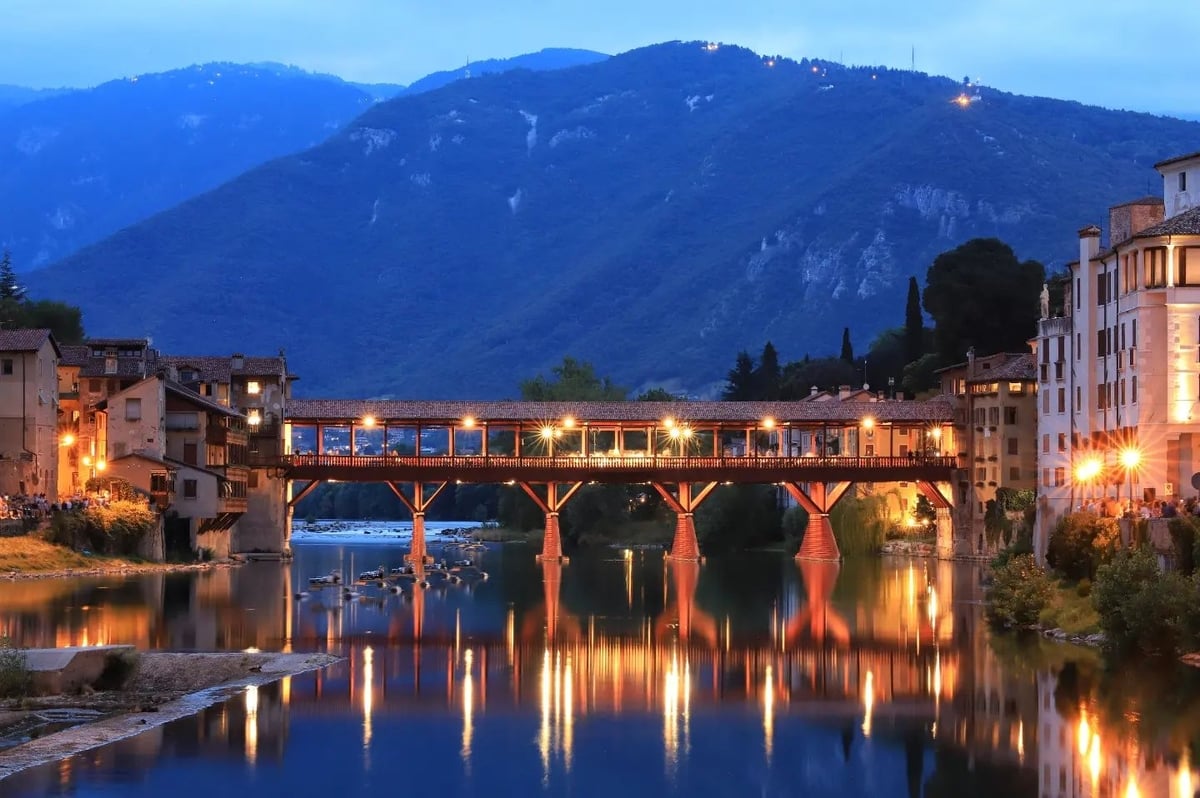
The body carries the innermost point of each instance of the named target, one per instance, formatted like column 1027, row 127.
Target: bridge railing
column 604, row 462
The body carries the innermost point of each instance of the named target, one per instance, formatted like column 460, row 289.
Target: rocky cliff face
column 652, row 213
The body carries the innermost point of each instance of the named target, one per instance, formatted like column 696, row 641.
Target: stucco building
column 995, row 423
column 29, row 441
column 1119, row 362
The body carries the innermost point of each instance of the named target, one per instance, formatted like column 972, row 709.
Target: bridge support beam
column 417, row 505
column 550, row 506
column 819, row 542
column 685, row 545
column 944, row 522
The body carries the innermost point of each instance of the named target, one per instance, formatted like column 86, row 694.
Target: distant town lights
column 962, row 101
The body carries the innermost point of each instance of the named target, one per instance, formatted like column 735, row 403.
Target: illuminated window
column 253, row 387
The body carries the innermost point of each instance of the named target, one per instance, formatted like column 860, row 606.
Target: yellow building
column 29, row 441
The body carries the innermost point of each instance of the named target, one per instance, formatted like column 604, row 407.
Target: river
column 621, row 674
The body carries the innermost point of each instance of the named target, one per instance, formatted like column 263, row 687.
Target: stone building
column 1119, row 363
column 995, row 422
column 29, row 441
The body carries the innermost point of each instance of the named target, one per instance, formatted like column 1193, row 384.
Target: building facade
column 995, row 423
column 29, row 440
column 1119, row 362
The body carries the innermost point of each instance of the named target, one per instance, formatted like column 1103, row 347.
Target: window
column 1010, row 415
column 1183, row 181
column 1078, row 292
column 1133, row 390
column 1062, row 400
column 1046, row 477
column 1062, row 441
column 1078, row 398
column 1100, row 392
column 1014, row 474
column 1016, row 387
column 1012, row 445
column 1133, row 333
column 110, row 365
column 1046, row 403
column 189, row 453
column 253, row 387
column 1181, row 265
column 189, row 489
column 133, row 409
column 980, row 474
column 1046, row 442
column 1155, row 265
column 1078, row 344
column 6, row 366
column 252, row 479
column 1060, row 477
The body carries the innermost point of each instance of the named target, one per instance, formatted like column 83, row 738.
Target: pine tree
column 740, row 385
column 768, row 374
column 847, row 349
column 9, row 287
column 914, row 323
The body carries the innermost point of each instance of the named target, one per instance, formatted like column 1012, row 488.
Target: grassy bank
column 28, row 555
column 1070, row 611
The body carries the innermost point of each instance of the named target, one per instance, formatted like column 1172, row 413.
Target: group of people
column 36, row 506
column 1114, row 508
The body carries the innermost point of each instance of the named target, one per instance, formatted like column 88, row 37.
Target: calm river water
column 618, row 674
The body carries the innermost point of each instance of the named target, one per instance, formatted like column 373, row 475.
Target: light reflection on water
column 617, row 673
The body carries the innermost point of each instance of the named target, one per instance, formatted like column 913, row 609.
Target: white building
column 1119, row 364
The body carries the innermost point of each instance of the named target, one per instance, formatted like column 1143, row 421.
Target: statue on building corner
column 1044, row 299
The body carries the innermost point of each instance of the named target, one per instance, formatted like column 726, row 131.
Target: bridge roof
column 938, row 410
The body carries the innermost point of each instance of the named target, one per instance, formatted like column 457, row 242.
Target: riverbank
column 33, row 558
column 165, row 687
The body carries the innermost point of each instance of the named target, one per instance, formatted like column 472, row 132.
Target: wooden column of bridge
column 819, row 542
column 417, row 505
column 550, row 506
column 685, row 546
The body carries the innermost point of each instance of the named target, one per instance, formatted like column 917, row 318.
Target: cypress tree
column 914, row 323
column 768, row 375
column 740, row 383
column 847, row 349
column 9, row 287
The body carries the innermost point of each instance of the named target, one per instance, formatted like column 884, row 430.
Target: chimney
column 970, row 362
column 1126, row 221
column 813, row 391
column 843, row 391
column 237, row 362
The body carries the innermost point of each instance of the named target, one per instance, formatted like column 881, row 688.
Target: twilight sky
column 1122, row 55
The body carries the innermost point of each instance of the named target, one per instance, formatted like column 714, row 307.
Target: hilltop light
column 962, row 101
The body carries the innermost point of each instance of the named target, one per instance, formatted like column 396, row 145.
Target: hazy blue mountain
column 549, row 58
column 12, row 96
column 653, row 213
column 77, row 167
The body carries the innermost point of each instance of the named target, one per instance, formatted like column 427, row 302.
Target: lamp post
column 1086, row 472
column 1131, row 458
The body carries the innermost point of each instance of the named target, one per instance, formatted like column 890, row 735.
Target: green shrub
column 15, row 679
column 1019, row 592
column 1183, row 537
column 1081, row 543
column 115, row 528
column 1084, row 588
column 1143, row 610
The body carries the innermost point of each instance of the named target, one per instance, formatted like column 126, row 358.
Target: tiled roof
column 213, row 368
column 1177, row 159
column 1181, row 224
column 120, row 343
column 203, row 401
column 1017, row 367
column 25, row 340
column 650, row 412
column 143, row 456
column 74, row 355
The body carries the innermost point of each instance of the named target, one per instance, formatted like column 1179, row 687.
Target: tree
column 9, row 287
column 767, row 376
column 740, row 383
column 574, row 380
column 65, row 321
column 799, row 378
column 914, row 323
column 657, row 395
column 847, row 349
column 979, row 295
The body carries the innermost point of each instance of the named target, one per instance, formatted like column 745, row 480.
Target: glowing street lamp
column 368, row 421
column 1088, row 470
column 468, row 422
column 1131, row 458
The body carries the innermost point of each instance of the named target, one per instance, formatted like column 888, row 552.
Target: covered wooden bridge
column 814, row 449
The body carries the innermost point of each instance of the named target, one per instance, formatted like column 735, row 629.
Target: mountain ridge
column 653, row 213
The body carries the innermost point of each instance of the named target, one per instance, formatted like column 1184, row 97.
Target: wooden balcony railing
column 606, row 468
